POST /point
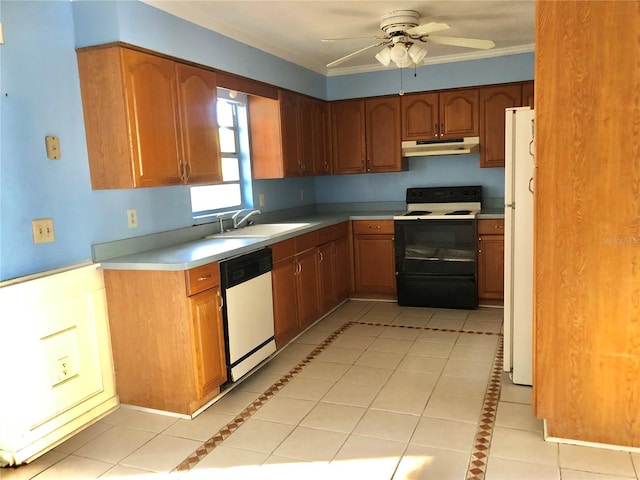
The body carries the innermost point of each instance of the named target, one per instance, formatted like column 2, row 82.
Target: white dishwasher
column 247, row 311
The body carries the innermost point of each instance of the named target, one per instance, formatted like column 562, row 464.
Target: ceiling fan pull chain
column 401, row 92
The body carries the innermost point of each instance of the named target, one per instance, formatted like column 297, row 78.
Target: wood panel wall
column 587, row 220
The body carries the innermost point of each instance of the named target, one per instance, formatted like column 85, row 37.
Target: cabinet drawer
column 306, row 241
column 283, row 249
column 372, row 227
column 334, row 232
column 494, row 226
column 202, row 278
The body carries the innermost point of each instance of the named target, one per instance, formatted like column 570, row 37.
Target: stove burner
column 459, row 212
column 416, row 213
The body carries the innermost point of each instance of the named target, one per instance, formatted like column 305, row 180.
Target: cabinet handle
column 441, row 129
column 181, row 168
column 326, row 166
column 187, row 170
column 221, row 301
column 377, row 227
column 321, row 256
column 298, row 268
column 204, row 277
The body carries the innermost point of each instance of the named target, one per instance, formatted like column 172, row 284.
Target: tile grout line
column 477, row 468
column 202, row 451
column 209, row 445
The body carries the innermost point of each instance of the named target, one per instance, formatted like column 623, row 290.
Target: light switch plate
column 53, row 147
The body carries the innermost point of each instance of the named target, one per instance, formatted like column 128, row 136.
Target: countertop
column 196, row 252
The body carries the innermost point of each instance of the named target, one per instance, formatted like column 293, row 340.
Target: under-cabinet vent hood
column 455, row 146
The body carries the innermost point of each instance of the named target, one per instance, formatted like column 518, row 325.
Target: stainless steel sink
column 265, row 230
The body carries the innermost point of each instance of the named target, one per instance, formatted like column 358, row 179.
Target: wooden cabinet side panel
column 197, row 92
column 493, row 102
column 527, row 94
column 587, row 280
column 290, row 118
column 150, row 337
column 103, row 105
column 343, row 268
column 266, row 138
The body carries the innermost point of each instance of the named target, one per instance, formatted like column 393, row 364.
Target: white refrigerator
column 518, row 245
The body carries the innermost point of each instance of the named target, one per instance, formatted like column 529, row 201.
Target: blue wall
column 40, row 96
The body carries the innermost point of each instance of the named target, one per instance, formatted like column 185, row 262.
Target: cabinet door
column 292, row 164
column 491, row 267
column 320, row 141
column 307, row 288
column 459, row 114
column 285, row 306
column 383, row 134
column 374, row 264
column 420, row 116
column 199, row 127
column 152, row 109
column 527, row 94
column 493, row 102
column 208, row 341
column 343, row 268
column 327, row 274
column 347, row 136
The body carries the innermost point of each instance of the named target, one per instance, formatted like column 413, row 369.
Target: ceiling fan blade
column 351, row 55
column 426, row 28
column 459, row 41
column 329, row 40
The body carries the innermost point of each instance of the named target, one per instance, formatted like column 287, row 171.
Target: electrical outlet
column 65, row 369
column 132, row 218
column 42, row 229
column 262, row 199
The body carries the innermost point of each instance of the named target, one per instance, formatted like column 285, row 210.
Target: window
column 235, row 191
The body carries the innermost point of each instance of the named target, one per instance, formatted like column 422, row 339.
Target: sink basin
column 265, row 230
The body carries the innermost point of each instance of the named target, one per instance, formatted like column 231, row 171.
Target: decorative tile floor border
column 479, row 454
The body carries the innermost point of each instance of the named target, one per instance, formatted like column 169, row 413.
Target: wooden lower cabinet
column 374, row 262
column 167, row 337
column 311, row 275
column 491, row 260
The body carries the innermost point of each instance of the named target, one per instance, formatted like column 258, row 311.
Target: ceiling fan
column 401, row 29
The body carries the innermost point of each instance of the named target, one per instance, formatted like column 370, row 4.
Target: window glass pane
column 213, row 197
column 230, row 169
column 225, row 113
column 227, row 140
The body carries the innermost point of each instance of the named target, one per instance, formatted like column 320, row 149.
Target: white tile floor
column 379, row 402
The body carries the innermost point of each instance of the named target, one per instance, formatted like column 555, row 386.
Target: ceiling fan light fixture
column 399, row 53
column 417, row 53
column 384, row 56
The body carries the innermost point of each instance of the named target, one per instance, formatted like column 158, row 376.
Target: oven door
column 436, row 263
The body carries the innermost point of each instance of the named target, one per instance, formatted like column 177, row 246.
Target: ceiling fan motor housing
column 397, row 22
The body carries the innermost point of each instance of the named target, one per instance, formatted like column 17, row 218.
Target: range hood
column 455, row 146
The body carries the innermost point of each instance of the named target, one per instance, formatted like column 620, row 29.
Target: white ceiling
column 293, row 29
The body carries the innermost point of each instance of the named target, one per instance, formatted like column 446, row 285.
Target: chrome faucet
column 237, row 223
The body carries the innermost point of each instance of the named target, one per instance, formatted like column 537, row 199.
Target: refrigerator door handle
column 510, row 205
column 530, row 182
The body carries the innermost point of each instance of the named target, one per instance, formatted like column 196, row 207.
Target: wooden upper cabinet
column 527, row 94
column 197, row 94
column 440, row 115
column 420, row 116
column 146, row 119
column 382, row 120
column 347, row 136
column 290, row 127
column 288, row 136
column 493, row 102
column 459, row 114
column 314, row 134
